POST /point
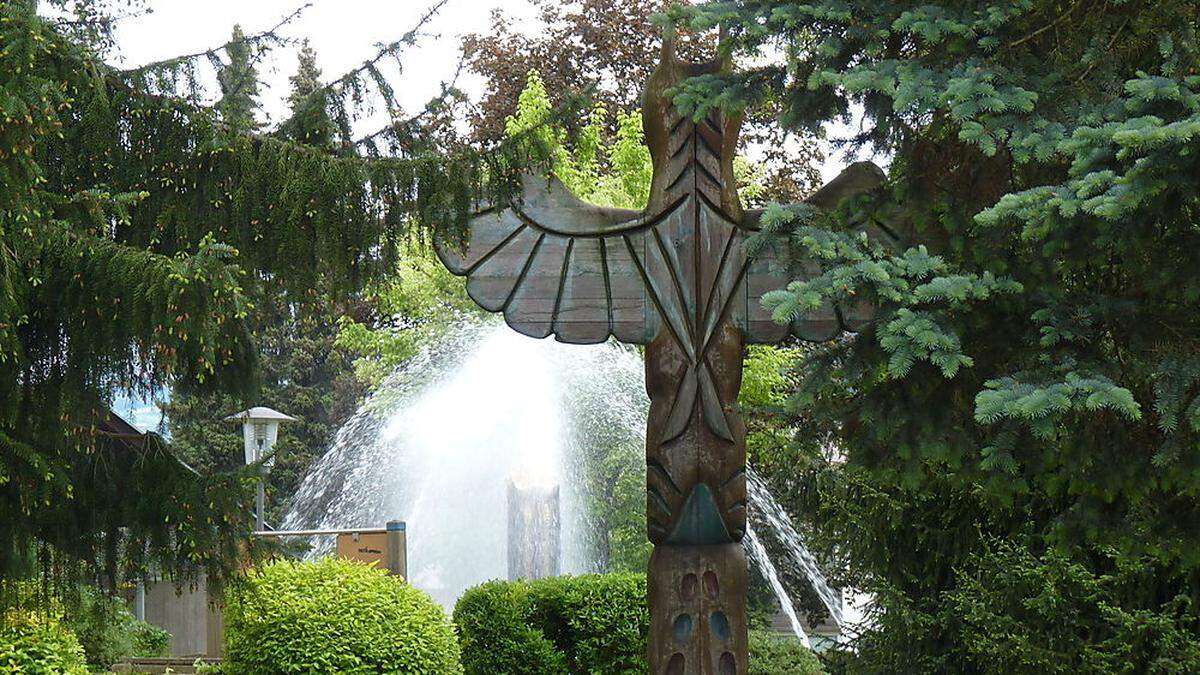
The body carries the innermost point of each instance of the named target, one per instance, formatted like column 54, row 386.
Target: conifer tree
column 310, row 123
column 1018, row 422
column 136, row 228
column 239, row 84
column 301, row 370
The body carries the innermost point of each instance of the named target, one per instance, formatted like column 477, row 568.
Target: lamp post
column 260, row 428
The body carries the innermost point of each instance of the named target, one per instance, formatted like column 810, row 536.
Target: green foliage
column 772, row 654
column 1011, row 602
column 239, row 84
column 108, row 631
column 762, row 399
column 310, row 121
column 149, row 640
column 414, row 306
column 1029, row 372
column 619, row 177
column 140, row 233
column 32, row 643
column 598, row 621
column 585, row 624
column 496, row 635
column 334, row 616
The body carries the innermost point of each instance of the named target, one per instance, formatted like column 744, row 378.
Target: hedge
column 593, row 623
column 772, row 654
column 586, row 624
column 599, row 622
column 34, row 643
column 496, row 636
column 334, row 616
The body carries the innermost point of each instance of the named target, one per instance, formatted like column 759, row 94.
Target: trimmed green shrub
column 334, row 616
column 32, row 643
column 599, row 622
column 772, row 654
column 591, row 624
column 496, row 636
column 586, row 624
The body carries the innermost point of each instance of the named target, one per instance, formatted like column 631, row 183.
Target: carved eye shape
column 719, row 623
column 728, row 665
column 687, row 587
column 711, row 587
column 675, row 665
column 682, row 628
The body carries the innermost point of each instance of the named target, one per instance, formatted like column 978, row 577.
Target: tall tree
column 132, row 221
column 1019, row 421
column 301, row 371
column 310, row 120
column 239, row 82
column 606, row 51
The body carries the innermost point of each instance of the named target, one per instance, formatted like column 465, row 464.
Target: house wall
column 194, row 624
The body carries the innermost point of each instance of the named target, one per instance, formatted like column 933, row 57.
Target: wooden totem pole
column 673, row 277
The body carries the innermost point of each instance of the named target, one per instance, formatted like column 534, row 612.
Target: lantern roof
column 261, row 413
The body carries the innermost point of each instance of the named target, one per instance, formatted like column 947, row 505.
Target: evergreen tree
column 136, row 230
column 310, row 122
column 1019, row 421
column 238, row 79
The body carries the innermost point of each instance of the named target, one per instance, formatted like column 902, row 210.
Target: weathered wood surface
column 674, row 277
column 619, row 273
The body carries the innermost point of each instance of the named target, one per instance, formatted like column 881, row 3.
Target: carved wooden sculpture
column 675, row 278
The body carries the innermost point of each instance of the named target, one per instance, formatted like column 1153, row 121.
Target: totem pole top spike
column 662, row 123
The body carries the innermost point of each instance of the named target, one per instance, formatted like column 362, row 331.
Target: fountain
column 436, row 444
column 767, row 512
column 472, row 440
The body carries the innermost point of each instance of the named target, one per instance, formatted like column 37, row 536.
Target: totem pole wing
column 765, row 274
column 556, row 265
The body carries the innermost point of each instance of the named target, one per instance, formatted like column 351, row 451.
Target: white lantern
column 260, row 428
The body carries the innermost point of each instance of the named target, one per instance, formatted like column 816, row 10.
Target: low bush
column 772, row 654
column 33, row 643
column 584, row 624
column 149, row 640
column 599, row 622
column 109, row 632
column 496, row 635
column 334, row 616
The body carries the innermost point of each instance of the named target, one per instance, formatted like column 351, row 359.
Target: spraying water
column 757, row 553
column 765, row 508
column 437, row 443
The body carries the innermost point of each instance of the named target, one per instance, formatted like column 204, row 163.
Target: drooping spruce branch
column 134, row 225
column 269, row 36
column 345, row 92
